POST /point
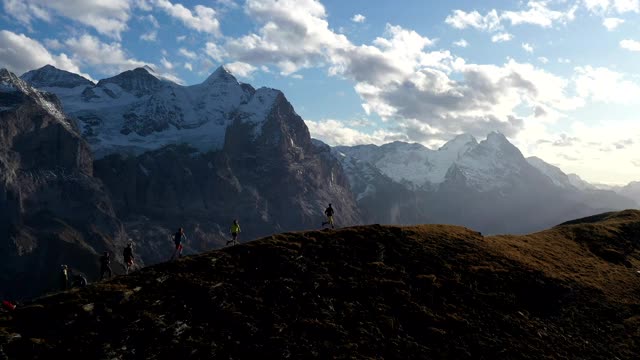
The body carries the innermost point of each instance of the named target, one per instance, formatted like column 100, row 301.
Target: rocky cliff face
column 52, row 210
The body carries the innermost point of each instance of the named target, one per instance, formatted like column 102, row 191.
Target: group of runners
column 179, row 238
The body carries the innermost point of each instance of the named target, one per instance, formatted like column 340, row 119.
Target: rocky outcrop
column 52, row 210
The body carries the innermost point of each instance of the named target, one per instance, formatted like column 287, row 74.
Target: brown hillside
column 367, row 292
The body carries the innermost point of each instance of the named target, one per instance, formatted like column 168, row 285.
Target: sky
column 559, row 78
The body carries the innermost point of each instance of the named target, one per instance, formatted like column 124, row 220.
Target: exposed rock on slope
column 364, row 292
column 52, row 209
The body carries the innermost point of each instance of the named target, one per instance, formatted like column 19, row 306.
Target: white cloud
column 181, row 38
column 539, row 14
column 612, row 6
column 462, row 20
column 53, row 44
column 107, row 17
column 543, row 59
column 631, row 45
column 143, row 5
column 166, row 63
column 536, row 13
column 20, row 53
column 202, row 18
column 188, row 54
column 461, row 43
column 358, row 18
column 527, row 47
column 294, row 35
column 612, row 23
column 604, row 85
column 501, row 37
column 188, row 66
column 150, row 36
column 216, row 52
column 335, row 132
column 241, row 69
column 105, row 58
column 564, row 60
column 152, row 19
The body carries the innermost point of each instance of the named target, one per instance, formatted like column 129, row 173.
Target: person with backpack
column 105, row 265
column 64, row 277
column 235, row 230
column 178, row 238
column 127, row 254
column 329, row 213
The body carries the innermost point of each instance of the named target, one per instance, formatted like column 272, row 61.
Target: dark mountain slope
column 52, row 210
column 366, row 292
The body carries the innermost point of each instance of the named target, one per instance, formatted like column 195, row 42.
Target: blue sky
column 558, row 77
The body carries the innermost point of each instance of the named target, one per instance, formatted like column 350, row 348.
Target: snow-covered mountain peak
column 149, row 69
column 458, row 146
column 50, row 76
column 497, row 138
column 221, row 75
column 138, row 81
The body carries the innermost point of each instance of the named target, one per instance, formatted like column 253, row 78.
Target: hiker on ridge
column 105, row 265
column 127, row 254
column 235, row 230
column 329, row 213
column 178, row 238
column 64, row 277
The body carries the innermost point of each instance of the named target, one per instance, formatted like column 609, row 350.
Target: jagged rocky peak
column 14, row 92
column 50, row 76
column 139, row 81
column 497, row 142
column 9, row 82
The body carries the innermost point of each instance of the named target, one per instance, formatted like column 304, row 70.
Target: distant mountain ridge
column 138, row 110
column 488, row 185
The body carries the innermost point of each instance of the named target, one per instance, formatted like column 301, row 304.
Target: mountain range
column 147, row 156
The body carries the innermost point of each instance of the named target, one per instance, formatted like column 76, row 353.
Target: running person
column 329, row 213
column 127, row 254
column 178, row 238
column 64, row 277
column 235, row 230
column 105, row 262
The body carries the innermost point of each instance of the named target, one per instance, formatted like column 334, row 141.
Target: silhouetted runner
column 127, row 254
column 329, row 213
column 178, row 238
column 235, row 230
column 105, row 265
